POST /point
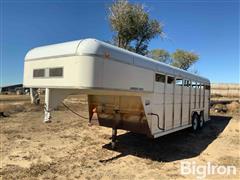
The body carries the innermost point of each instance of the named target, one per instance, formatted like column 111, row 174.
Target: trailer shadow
column 176, row 146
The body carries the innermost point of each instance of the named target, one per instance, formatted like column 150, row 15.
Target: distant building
column 16, row 88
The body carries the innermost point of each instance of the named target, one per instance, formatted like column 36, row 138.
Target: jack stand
column 52, row 98
column 114, row 137
column 47, row 114
column 93, row 117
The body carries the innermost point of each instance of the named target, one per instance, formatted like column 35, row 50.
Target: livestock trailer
column 126, row 90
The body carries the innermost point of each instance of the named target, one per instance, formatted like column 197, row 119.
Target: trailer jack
column 114, row 137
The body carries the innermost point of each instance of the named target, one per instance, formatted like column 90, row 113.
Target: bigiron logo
column 202, row 171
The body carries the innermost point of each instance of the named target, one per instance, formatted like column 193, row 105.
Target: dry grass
column 233, row 107
column 225, row 90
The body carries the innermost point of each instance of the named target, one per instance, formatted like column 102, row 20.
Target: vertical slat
column 200, row 95
column 190, row 102
column 181, row 114
column 195, row 97
column 173, row 104
column 164, row 102
column 209, row 101
column 203, row 95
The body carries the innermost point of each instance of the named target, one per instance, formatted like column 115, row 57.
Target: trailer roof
column 98, row 48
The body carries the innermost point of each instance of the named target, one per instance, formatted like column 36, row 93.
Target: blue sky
column 209, row 28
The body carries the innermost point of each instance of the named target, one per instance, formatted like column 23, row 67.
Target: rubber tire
column 195, row 122
column 201, row 121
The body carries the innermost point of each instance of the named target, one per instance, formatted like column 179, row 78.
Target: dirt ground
column 68, row 148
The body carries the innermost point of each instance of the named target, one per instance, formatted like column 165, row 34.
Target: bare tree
column 184, row 59
column 160, row 55
column 132, row 26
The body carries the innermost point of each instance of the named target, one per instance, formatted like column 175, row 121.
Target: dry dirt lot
column 68, row 148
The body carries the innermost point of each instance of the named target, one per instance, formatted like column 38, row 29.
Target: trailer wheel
column 201, row 121
column 195, row 122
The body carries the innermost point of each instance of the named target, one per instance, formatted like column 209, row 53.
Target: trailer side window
column 179, row 82
column 160, row 78
column 170, row 80
column 194, row 84
column 207, row 87
column 38, row 72
column 187, row 83
column 198, row 85
column 55, row 72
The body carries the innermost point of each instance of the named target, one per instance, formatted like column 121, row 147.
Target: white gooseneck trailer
column 126, row 90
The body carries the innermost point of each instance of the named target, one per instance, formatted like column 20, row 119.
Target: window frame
column 194, row 84
column 44, row 73
column 188, row 84
column 179, row 79
column 160, row 74
column 173, row 79
column 207, row 87
column 49, row 72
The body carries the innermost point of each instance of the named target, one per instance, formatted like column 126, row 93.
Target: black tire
column 195, row 122
column 201, row 121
